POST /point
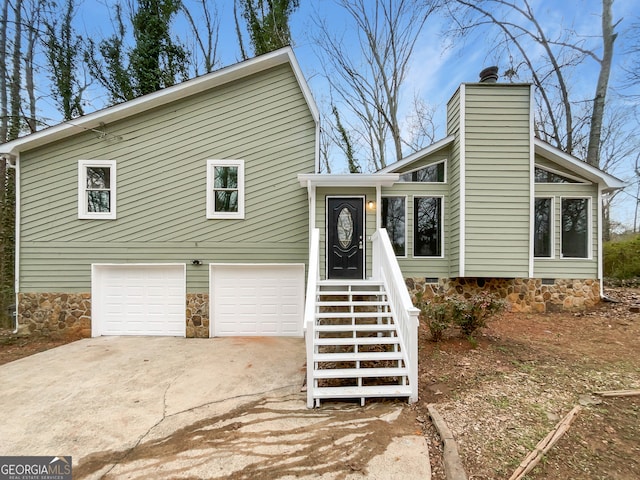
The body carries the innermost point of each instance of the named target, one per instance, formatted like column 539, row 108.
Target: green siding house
column 192, row 211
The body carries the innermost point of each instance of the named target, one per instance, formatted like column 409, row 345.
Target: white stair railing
column 310, row 310
column 387, row 270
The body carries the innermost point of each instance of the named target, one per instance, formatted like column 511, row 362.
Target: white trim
column 552, row 221
column 364, row 233
column 589, row 227
column 579, row 167
column 463, row 183
column 96, row 305
column 211, row 212
column 442, row 222
column 348, row 180
column 406, row 223
column 378, row 207
column 212, row 303
column 83, row 212
column 96, row 120
column 532, row 186
column 578, row 180
column 444, row 161
column 600, row 230
column 434, row 147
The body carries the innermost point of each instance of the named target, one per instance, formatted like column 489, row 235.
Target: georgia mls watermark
column 35, row 468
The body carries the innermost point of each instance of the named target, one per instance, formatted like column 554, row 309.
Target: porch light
column 371, row 204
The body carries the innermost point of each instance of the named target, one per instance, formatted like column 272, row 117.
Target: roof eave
column 163, row 97
column 347, row 180
column 608, row 182
column 434, row 147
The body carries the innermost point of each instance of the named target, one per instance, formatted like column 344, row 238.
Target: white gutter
column 600, row 262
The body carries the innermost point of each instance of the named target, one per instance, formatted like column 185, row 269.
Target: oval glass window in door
column 345, row 228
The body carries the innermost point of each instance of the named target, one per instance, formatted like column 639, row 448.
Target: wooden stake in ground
column 618, row 393
column 545, row 445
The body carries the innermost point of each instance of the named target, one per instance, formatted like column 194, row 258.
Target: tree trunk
column 608, row 38
column 4, row 108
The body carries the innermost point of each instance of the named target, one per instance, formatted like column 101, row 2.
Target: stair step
column 384, row 327
column 359, row 372
column 357, row 356
column 352, row 303
column 353, row 314
column 359, row 293
column 357, row 341
column 361, row 392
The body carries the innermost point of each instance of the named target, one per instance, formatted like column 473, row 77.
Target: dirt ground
column 504, row 392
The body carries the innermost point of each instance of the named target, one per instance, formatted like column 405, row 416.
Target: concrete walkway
column 164, row 407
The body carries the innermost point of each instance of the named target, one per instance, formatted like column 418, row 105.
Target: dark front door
column 345, row 250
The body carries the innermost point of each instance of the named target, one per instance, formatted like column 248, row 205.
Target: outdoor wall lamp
column 196, row 262
column 371, row 204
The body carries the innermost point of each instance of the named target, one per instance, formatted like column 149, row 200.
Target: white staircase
column 358, row 350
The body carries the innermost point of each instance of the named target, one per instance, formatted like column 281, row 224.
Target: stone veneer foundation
column 69, row 314
column 55, row 314
column 523, row 294
column 197, row 315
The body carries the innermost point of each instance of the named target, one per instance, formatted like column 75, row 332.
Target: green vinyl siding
column 161, row 157
column 557, row 267
column 497, row 179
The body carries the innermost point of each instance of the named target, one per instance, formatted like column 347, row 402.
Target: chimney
column 489, row 75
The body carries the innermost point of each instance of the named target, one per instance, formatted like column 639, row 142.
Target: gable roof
column 434, row 147
column 163, row 97
column 591, row 173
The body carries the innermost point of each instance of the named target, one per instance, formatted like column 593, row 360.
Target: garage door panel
column 139, row 300
column 257, row 299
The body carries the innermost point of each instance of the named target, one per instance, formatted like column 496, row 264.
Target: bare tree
column 368, row 78
column 208, row 41
column 523, row 36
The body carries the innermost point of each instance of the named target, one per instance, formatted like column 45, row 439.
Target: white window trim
column 552, row 221
column 413, row 224
column 426, row 166
column 211, row 213
column 578, row 180
column 406, row 223
column 589, row 228
column 82, row 190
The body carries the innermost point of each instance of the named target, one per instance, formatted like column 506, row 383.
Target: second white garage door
column 257, row 300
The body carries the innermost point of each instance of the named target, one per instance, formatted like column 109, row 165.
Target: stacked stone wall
column 197, row 315
column 55, row 314
column 522, row 294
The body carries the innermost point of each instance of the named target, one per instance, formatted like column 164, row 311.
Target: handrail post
column 310, row 309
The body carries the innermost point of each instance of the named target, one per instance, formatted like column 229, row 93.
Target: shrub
column 471, row 314
column 440, row 312
column 622, row 259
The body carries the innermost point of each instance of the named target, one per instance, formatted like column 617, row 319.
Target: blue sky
column 437, row 68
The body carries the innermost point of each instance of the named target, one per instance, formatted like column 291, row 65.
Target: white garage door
column 257, row 300
column 138, row 300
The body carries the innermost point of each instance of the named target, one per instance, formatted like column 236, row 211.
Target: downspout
column 7, row 158
column 600, row 229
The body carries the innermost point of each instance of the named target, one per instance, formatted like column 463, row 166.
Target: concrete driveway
column 163, row 407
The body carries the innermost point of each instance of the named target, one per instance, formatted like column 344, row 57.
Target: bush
column 622, row 259
column 471, row 314
column 436, row 314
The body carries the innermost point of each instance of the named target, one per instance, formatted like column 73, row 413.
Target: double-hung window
column 97, row 189
column 543, row 228
column 575, row 227
column 225, row 189
column 427, row 227
column 394, row 220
